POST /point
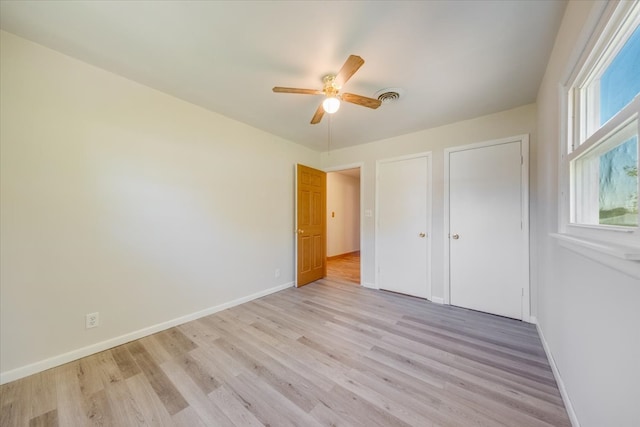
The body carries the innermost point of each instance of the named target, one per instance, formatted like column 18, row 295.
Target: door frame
column 363, row 253
column 429, row 231
column 295, row 224
column 524, row 182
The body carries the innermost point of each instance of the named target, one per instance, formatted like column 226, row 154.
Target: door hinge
column 522, row 160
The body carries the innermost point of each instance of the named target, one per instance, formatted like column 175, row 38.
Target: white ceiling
column 454, row 59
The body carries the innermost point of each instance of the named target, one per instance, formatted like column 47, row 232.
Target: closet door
column 487, row 235
column 402, row 235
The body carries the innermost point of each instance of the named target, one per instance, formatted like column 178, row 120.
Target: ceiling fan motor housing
column 330, row 88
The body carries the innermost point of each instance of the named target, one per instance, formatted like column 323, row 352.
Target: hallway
column 345, row 267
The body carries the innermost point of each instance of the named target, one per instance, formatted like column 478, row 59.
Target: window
column 601, row 162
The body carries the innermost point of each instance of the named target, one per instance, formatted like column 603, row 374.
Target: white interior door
column 487, row 244
column 402, row 227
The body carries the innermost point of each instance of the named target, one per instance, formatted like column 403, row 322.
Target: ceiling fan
column 331, row 89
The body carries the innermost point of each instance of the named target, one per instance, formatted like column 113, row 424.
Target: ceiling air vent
column 389, row 95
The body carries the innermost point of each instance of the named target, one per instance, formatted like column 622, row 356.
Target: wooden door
column 487, row 246
column 402, row 234
column 311, row 225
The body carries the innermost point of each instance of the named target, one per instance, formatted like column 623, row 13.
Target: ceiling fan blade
column 279, row 89
column 318, row 115
column 351, row 65
column 361, row 100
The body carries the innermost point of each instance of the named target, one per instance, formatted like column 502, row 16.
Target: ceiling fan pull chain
column 329, row 139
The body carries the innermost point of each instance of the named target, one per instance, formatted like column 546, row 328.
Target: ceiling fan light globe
column 331, row 105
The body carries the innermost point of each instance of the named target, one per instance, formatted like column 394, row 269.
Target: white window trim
column 616, row 247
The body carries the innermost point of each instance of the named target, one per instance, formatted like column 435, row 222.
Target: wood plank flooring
column 345, row 267
column 327, row 354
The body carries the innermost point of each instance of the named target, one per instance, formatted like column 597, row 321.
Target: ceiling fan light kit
column 331, row 89
column 331, row 104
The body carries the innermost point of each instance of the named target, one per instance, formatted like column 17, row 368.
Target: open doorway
column 343, row 225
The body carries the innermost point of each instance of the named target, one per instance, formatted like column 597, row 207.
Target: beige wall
column 517, row 121
column 120, row 199
column 343, row 199
column 588, row 313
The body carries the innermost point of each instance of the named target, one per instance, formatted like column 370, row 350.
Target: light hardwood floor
column 327, row 354
column 344, row 267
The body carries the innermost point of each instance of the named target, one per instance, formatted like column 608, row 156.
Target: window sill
column 607, row 228
column 623, row 258
column 620, row 251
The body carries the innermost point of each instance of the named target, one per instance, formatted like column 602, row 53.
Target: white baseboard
column 33, row 368
column 437, row 300
column 369, row 285
column 556, row 373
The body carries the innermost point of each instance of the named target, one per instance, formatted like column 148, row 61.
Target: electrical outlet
column 277, row 274
column 92, row 320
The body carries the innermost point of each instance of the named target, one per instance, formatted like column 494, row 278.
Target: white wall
column 120, row 199
column 589, row 314
column 517, row 121
column 343, row 199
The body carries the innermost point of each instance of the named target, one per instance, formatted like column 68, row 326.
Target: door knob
column 421, row 234
column 455, row 237
column 300, row 231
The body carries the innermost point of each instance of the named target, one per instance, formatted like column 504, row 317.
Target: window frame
column 617, row 31
column 615, row 23
column 621, row 120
